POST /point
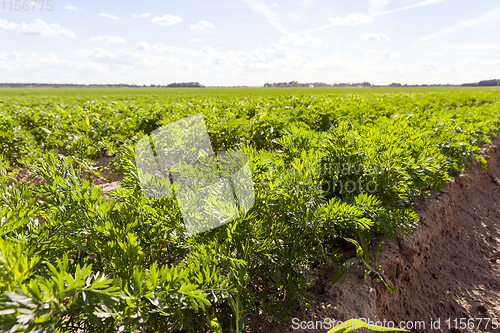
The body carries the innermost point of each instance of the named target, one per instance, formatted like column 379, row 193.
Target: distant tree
column 489, row 83
column 484, row 83
column 185, row 85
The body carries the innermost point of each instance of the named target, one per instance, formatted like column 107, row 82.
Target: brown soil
column 107, row 186
column 449, row 268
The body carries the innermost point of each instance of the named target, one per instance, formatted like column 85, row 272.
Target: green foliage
column 327, row 170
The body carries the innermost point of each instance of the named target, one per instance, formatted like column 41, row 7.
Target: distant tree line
column 291, row 84
column 185, row 85
column 57, row 85
column 296, row 84
column 120, row 85
column 347, row 85
column 484, row 83
column 399, row 85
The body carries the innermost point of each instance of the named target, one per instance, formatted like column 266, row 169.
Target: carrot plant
column 328, row 172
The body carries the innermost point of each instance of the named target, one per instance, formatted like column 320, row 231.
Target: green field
column 101, row 92
column 332, row 168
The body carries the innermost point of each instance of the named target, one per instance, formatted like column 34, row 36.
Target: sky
column 249, row 42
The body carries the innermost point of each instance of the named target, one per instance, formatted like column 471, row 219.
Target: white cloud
column 7, row 26
column 363, row 18
column 113, row 17
column 9, row 56
column 419, row 4
column 472, row 46
column 470, row 61
column 376, row 37
column 300, row 40
column 72, row 8
column 143, row 15
column 491, row 15
column 212, row 66
column 166, row 20
column 107, row 39
column 260, row 7
column 262, row 55
column 201, row 25
column 142, row 46
column 352, row 19
column 307, row 3
column 221, row 66
column 377, row 6
column 36, row 27
column 427, row 67
column 174, row 50
column 260, row 60
column 194, row 40
column 33, row 67
column 121, row 60
column 95, row 53
column 380, row 55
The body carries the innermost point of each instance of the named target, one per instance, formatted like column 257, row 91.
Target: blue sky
column 250, row 42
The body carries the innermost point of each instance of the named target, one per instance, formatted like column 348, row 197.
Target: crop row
column 328, row 172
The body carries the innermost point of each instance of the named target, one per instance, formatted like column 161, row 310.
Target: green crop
column 329, row 171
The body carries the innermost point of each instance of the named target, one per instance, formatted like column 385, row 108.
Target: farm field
column 333, row 171
column 209, row 91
